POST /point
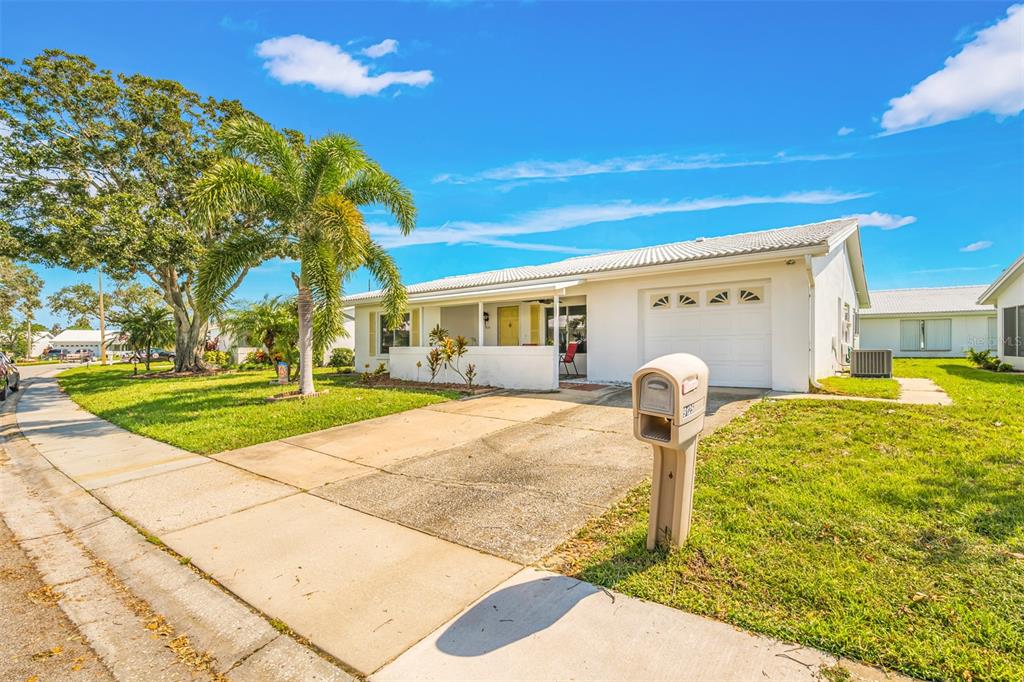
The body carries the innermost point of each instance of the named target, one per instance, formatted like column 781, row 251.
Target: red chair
column 570, row 358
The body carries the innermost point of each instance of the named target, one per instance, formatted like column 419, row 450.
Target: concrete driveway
column 510, row 474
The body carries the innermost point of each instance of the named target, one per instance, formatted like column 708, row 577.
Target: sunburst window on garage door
column 688, row 299
column 660, row 301
column 719, row 298
column 752, row 295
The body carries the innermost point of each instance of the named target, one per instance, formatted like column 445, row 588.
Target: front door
column 508, row 326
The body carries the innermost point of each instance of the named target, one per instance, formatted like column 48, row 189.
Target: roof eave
column 622, row 273
column 989, row 296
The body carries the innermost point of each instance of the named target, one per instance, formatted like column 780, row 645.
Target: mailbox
column 669, row 401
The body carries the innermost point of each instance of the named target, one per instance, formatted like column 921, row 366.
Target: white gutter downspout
column 812, row 336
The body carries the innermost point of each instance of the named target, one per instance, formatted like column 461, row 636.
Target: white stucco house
column 773, row 309
column 1007, row 295
column 929, row 322
column 40, row 342
column 88, row 341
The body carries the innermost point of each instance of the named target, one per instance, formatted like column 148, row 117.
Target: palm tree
column 149, row 326
column 263, row 322
column 308, row 194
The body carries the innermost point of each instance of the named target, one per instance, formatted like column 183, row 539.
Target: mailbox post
column 669, row 400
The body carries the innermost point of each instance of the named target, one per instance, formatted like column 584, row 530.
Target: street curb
column 145, row 612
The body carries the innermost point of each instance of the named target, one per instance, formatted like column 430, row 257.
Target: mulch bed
column 294, row 395
column 385, row 381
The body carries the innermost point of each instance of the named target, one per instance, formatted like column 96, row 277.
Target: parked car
column 163, row 355
column 10, row 377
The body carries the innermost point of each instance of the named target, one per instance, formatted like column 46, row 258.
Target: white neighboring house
column 928, row 323
column 1007, row 295
column 40, row 342
column 772, row 309
column 88, row 341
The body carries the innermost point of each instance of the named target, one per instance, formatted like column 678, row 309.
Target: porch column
column 480, row 323
column 558, row 341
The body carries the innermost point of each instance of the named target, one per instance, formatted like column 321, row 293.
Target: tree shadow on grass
column 974, row 374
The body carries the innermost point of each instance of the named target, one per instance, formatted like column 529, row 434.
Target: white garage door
column 729, row 327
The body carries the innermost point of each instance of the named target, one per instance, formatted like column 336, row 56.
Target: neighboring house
column 88, row 341
column 772, row 309
column 1007, row 295
column 40, row 342
column 933, row 322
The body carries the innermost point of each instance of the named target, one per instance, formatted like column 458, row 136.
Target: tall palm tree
column 149, row 326
column 308, row 194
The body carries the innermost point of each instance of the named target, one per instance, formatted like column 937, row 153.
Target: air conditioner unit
column 871, row 363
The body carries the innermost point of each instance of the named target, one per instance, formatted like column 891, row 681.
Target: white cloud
column 936, row 271
column 886, row 221
column 984, row 76
column 529, row 171
column 976, row 246
column 844, row 131
column 298, row 59
column 386, row 46
column 567, row 217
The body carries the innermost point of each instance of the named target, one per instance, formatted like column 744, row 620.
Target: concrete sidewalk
column 912, row 392
column 383, row 598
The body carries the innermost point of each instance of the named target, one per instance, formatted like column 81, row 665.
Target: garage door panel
column 733, row 339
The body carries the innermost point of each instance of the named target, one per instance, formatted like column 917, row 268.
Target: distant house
column 931, row 322
column 88, row 341
column 40, row 342
column 1007, row 295
column 772, row 309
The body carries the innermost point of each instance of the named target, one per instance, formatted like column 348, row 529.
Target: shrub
column 374, row 377
column 341, row 358
column 217, row 358
column 985, row 360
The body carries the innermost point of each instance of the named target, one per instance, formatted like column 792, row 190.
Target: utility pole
column 28, row 331
column 103, row 329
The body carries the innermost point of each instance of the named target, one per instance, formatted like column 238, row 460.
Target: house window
column 847, row 323
column 719, row 298
column 398, row 338
column 686, row 299
column 751, row 295
column 1013, row 326
column 660, row 301
column 926, row 335
column 572, row 326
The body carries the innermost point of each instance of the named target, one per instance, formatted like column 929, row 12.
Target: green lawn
column 228, row 411
column 891, row 534
column 869, row 388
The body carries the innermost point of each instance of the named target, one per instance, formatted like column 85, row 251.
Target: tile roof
column 765, row 241
column 963, row 299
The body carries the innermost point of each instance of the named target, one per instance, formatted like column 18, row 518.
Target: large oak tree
column 94, row 171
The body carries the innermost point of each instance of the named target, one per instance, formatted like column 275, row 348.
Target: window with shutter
column 938, row 335
column 1011, row 339
column 911, row 335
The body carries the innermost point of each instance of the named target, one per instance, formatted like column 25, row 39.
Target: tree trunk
column 305, row 306
column 189, row 345
column 149, row 354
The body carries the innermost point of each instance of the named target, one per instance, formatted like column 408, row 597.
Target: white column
column 480, row 323
column 558, row 341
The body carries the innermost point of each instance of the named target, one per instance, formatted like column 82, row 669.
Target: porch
column 515, row 337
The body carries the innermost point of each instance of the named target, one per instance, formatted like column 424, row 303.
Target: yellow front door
column 508, row 326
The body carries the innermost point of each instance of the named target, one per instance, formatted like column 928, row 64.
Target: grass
column 227, row 411
column 868, row 388
column 892, row 534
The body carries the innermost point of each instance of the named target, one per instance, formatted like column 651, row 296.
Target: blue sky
column 533, row 131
